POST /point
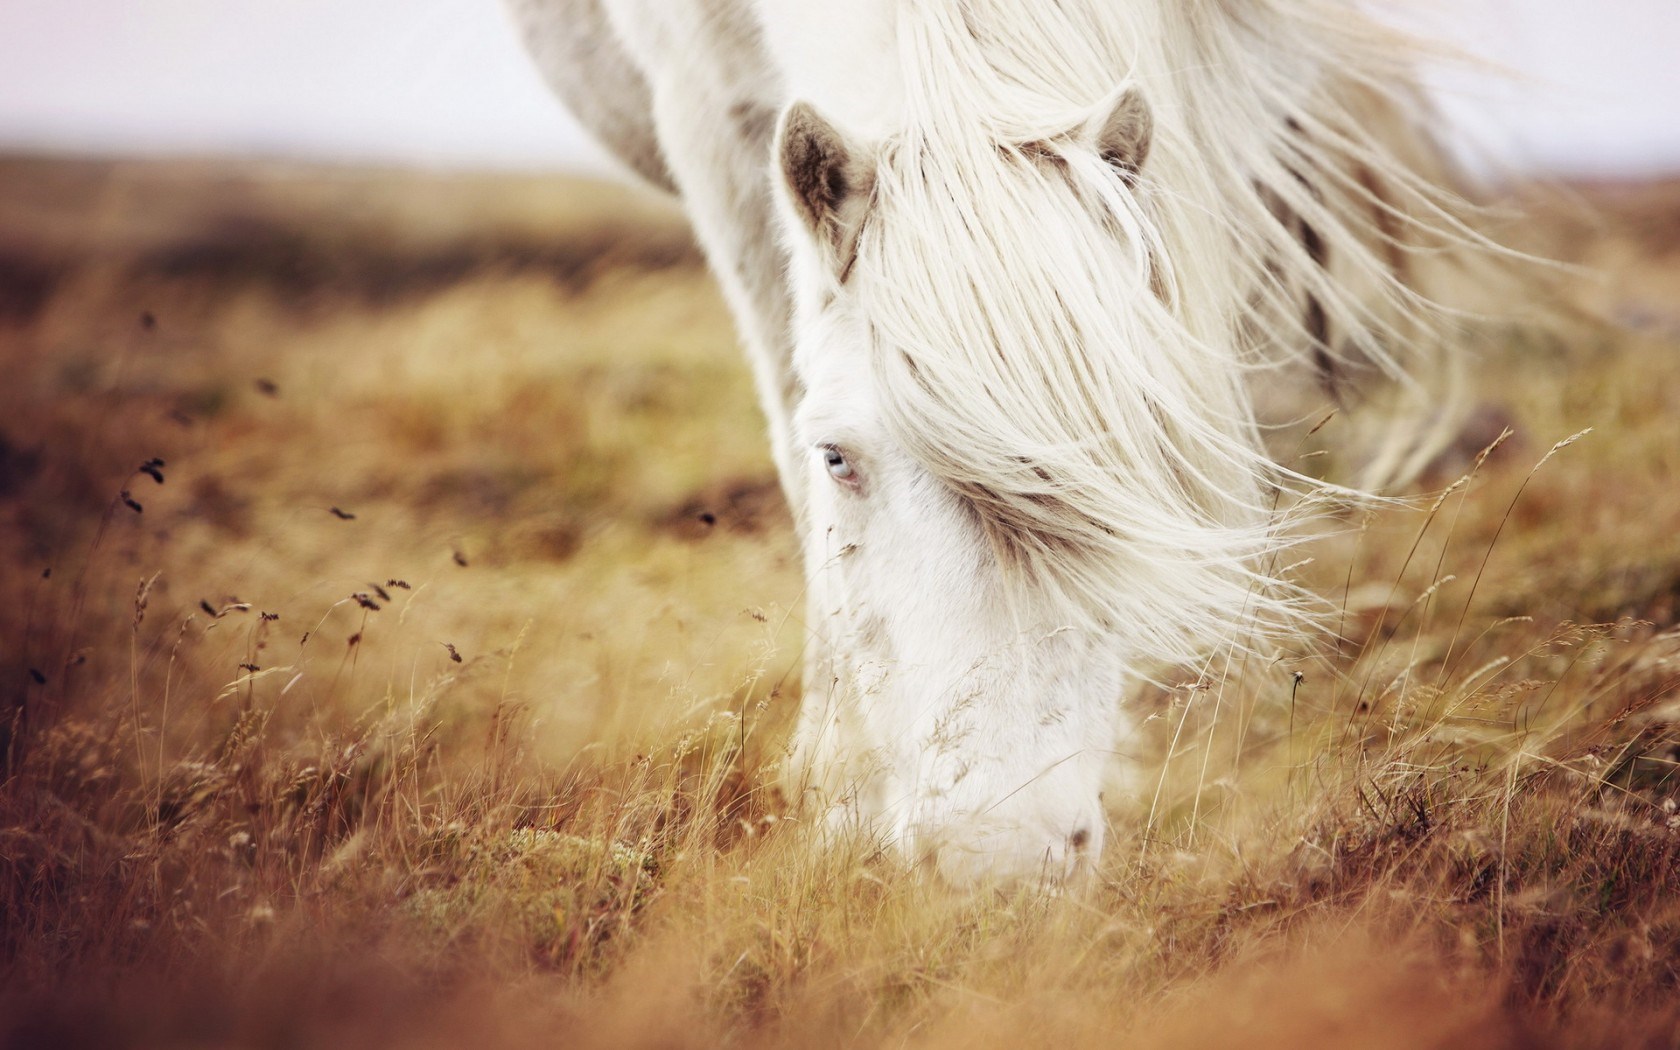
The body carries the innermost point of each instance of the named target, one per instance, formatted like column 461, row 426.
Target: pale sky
column 443, row 82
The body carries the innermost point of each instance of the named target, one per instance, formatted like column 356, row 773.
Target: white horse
column 1007, row 272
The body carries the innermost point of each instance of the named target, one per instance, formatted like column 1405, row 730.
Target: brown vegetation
column 397, row 644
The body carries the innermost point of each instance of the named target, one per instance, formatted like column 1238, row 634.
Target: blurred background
column 387, row 529
column 1593, row 88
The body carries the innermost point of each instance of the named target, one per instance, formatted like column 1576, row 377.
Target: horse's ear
column 1123, row 134
column 828, row 181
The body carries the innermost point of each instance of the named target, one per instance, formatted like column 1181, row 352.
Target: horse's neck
column 858, row 61
column 840, row 57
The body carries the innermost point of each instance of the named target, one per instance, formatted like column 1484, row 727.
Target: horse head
column 1026, row 473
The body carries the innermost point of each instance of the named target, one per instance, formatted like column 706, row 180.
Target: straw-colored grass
column 424, row 685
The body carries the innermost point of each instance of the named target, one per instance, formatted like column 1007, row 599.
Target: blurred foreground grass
column 434, row 692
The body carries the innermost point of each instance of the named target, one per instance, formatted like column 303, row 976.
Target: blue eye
column 838, row 467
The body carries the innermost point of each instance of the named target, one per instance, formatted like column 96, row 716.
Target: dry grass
column 433, row 695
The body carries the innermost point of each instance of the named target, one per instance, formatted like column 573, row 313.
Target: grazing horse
column 1011, row 275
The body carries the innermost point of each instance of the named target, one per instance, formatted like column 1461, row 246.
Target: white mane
column 1070, row 350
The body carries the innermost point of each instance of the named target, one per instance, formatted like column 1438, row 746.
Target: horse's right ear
column 828, row 181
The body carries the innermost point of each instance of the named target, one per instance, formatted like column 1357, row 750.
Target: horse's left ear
column 1123, row 133
column 828, row 181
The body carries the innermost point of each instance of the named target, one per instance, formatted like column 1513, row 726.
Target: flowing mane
column 1068, row 347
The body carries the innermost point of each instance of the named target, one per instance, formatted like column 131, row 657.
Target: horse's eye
column 838, row 467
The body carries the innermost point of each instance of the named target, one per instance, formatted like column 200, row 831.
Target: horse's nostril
column 1079, row 838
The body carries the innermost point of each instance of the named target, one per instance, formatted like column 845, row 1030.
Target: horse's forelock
column 1025, row 358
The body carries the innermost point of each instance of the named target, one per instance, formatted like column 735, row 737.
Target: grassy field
column 399, row 631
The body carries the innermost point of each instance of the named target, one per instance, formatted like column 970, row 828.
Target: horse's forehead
column 982, row 191
column 1024, row 228
column 975, row 158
